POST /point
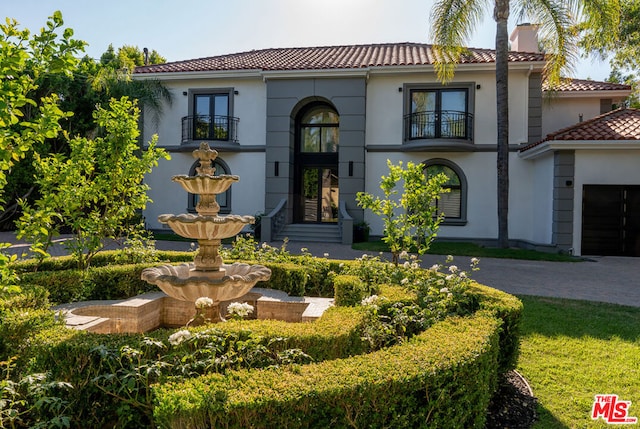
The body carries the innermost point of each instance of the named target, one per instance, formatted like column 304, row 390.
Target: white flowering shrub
column 204, row 302
column 239, row 310
column 178, row 337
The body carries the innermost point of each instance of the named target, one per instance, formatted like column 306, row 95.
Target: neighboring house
column 308, row 128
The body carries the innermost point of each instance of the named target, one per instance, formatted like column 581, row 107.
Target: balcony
column 206, row 127
column 445, row 124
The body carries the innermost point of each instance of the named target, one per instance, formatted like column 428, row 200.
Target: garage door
column 611, row 220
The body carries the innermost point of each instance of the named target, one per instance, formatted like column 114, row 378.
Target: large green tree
column 26, row 120
column 91, row 83
column 558, row 20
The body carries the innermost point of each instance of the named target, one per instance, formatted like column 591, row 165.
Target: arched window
column 224, row 199
column 319, row 130
column 454, row 202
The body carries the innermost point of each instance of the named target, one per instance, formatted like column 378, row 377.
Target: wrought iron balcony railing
column 207, row 127
column 445, row 124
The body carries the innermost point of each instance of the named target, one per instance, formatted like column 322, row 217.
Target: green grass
column 573, row 350
column 470, row 249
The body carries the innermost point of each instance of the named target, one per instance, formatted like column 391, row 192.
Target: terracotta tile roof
column 329, row 57
column 587, row 85
column 620, row 124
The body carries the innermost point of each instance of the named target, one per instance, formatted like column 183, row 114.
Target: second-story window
column 210, row 116
column 438, row 113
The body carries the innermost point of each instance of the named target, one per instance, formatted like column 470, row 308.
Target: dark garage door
column 611, row 220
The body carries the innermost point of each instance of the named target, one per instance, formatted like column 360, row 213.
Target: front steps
column 310, row 232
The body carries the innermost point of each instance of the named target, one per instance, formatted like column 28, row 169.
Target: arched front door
column 316, row 164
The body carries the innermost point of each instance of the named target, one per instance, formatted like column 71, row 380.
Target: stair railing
column 345, row 224
column 273, row 222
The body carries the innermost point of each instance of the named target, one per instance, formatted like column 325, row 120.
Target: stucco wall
column 385, row 105
column 247, row 195
column 249, row 105
column 559, row 112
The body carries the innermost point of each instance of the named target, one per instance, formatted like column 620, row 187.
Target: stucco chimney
column 524, row 38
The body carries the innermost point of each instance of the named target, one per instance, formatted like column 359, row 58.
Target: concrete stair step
column 311, row 233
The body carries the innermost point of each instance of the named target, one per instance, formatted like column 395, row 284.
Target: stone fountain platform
column 153, row 310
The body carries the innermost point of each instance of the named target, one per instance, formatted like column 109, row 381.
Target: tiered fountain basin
column 206, row 184
column 203, row 226
column 185, row 283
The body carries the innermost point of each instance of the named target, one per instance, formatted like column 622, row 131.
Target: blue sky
column 187, row 29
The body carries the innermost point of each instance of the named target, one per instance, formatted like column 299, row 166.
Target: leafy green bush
column 117, row 281
column 63, row 286
column 18, row 324
column 349, row 290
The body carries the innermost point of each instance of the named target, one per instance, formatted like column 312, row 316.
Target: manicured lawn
column 470, row 249
column 573, row 350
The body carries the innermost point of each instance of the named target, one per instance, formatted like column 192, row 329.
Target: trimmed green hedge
column 508, row 309
column 443, row 378
column 349, row 290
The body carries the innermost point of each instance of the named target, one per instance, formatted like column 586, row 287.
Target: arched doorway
column 316, row 164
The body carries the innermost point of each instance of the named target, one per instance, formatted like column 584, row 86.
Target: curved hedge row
column 444, row 377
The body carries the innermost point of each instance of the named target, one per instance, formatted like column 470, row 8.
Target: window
column 316, row 183
column 438, row 113
column 453, row 202
column 319, row 130
column 210, row 117
column 224, row 199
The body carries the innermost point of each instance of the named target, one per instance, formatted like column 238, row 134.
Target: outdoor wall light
column 478, row 86
column 236, row 92
column 185, row 93
column 400, row 89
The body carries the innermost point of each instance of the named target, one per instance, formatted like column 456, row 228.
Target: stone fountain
column 207, row 276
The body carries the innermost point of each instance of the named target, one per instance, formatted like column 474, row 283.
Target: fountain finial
column 206, row 155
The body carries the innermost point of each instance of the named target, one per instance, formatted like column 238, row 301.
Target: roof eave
column 553, row 145
column 219, row 74
column 611, row 93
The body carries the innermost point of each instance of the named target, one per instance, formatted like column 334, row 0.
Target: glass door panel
column 320, row 194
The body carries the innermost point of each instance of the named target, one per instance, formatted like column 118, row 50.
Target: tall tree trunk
column 501, row 16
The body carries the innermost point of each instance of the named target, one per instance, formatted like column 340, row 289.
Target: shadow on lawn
column 546, row 420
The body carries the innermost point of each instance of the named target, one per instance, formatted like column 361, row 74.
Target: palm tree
column 558, row 21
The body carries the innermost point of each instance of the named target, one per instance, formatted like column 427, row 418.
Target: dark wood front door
column 611, row 220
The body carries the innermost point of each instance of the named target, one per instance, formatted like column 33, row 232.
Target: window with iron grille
column 210, row 116
column 438, row 113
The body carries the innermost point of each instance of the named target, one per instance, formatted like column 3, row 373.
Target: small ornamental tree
column 410, row 221
column 97, row 190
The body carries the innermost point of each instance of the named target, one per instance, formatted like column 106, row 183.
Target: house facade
column 306, row 129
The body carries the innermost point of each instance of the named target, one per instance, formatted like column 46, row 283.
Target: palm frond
column 557, row 35
column 453, row 23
